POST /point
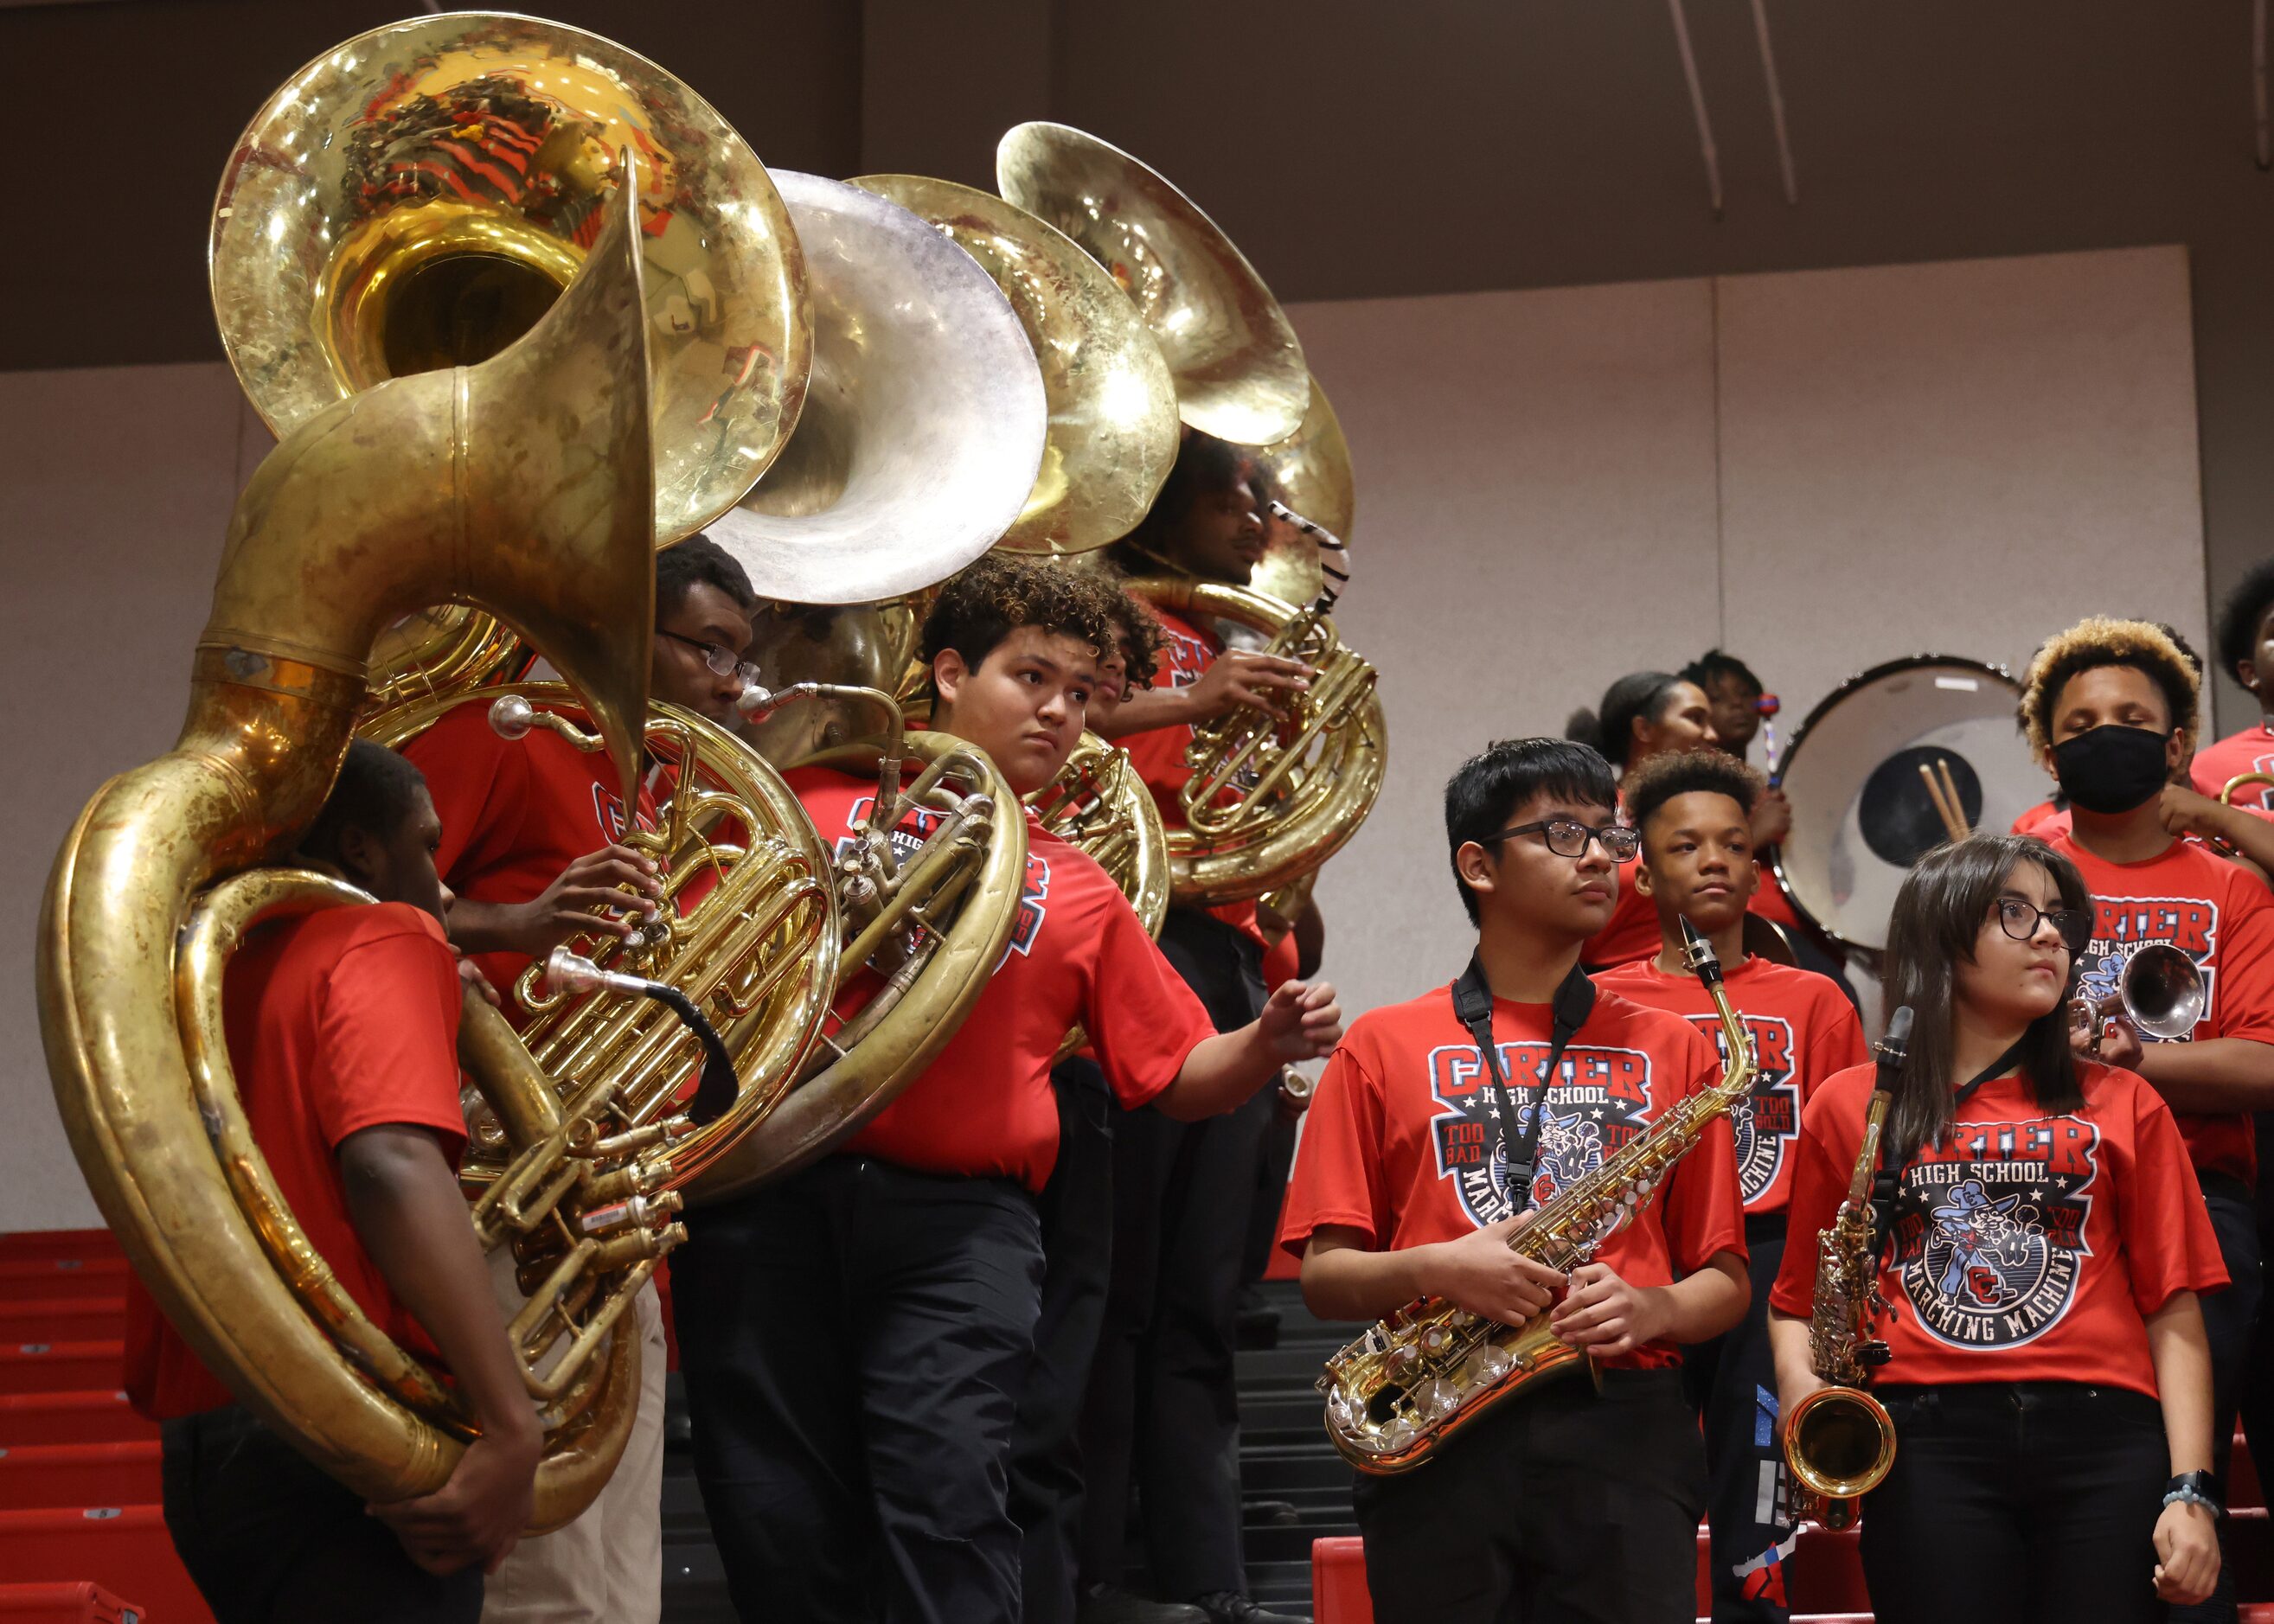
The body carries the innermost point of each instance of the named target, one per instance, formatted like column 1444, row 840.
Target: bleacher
column 82, row 1537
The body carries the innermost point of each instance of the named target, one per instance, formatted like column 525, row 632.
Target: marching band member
column 1559, row 1503
column 2050, row 1378
column 1694, row 813
column 530, row 842
column 342, row 1028
column 1643, row 714
column 2246, row 648
column 1183, row 1190
column 854, row 1335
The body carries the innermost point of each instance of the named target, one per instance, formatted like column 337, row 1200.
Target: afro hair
column 1689, row 773
column 2239, row 617
column 984, row 603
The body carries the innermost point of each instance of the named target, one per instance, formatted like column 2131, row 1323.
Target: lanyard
column 1473, row 1007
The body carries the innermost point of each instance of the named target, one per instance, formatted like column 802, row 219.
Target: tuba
column 523, row 486
column 1394, row 1395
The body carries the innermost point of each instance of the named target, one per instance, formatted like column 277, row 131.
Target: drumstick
column 1950, row 793
column 1951, row 824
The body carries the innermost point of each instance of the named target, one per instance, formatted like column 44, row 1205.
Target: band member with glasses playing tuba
column 343, row 1025
column 854, row 1334
column 1420, row 1160
column 1694, row 812
column 2110, row 709
column 2047, row 1373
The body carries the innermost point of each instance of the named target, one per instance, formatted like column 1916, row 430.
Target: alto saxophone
column 1396, row 1395
column 1839, row 1441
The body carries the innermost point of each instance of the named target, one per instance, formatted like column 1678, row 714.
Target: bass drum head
column 1860, row 813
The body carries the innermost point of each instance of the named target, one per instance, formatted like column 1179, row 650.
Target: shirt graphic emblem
column 908, row 839
column 2122, row 926
column 1766, row 1120
column 608, row 813
column 1989, row 1237
column 1601, row 1100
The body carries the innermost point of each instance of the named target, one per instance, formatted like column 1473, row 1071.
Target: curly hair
column 1140, row 631
column 2240, row 615
column 2098, row 640
column 982, row 605
column 1689, row 773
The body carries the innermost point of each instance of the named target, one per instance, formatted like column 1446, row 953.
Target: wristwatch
column 2198, row 1488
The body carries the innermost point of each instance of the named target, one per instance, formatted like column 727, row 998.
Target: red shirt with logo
column 1078, row 955
column 1803, row 1030
column 336, row 1021
column 2220, row 915
column 2251, row 750
column 515, row 813
column 1402, row 1141
column 2026, row 1247
column 1158, row 753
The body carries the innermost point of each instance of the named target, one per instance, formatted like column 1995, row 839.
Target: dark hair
column 2179, row 641
column 1938, row 918
column 699, row 561
column 2240, row 615
column 1609, row 728
column 375, row 791
column 984, row 602
column 1205, row 466
column 2094, row 644
column 1687, row 772
column 1711, row 666
column 1486, row 790
column 1140, row 631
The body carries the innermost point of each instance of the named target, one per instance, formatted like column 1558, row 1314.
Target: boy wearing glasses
column 2110, row 709
column 1694, row 812
column 530, row 832
column 1420, row 1159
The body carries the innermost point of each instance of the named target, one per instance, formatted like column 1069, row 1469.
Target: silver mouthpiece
column 573, row 972
column 512, row 717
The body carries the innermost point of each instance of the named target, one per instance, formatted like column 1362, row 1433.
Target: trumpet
column 2161, row 989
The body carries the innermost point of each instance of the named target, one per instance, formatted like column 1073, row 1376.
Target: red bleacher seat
column 58, row 1367
column 112, row 1474
column 91, row 1416
column 1338, row 1593
column 59, row 1244
column 125, row 1548
column 22, row 1279
column 64, row 1604
column 61, row 1320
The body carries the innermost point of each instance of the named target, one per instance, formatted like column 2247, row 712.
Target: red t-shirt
column 515, row 813
column 1768, row 898
column 2026, row 1247
column 2044, row 819
column 1158, row 753
column 339, row 1020
column 2251, row 750
column 1078, row 955
column 2221, row 916
column 1804, row 1029
column 1281, row 961
column 1401, row 1143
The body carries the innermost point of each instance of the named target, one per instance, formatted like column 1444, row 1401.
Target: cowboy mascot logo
column 1600, row 1101
column 917, row 827
column 1990, row 1230
column 1766, row 1120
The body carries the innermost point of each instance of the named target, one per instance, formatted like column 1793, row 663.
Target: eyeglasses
column 722, row 661
column 2019, row 919
column 1568, row 839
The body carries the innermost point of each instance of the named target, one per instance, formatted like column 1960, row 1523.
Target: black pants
column 270, row 1540
column 1077, row 1214
column 1732, row 1381
column 1563, row 1506
column 2017, row 1503
column 853, row 1339
column 2229, row 1325
column 2256, row 1409
column 1161, row 1410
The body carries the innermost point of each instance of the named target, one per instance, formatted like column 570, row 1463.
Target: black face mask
column 2111, row 770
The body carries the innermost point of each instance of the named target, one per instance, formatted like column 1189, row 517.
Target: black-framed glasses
column 723, row 661
column 2019, row 919
column 1568, row 837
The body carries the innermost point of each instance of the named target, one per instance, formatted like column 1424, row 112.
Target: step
column 36, row 1475
column 61, row 1320
column 64, row 1604
column 42, row 1278
column 123, row 1548
column 59, row 1367
column 695, row 1584
column 96, row 1416
column 59, row 1244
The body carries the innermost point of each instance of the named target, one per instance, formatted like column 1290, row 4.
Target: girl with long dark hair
column 1643, row 714
column 2048, row 1376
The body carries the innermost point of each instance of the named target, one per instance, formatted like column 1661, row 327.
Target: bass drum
column 1860, row 813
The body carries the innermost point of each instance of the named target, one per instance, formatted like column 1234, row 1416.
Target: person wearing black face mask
column 2110, row 709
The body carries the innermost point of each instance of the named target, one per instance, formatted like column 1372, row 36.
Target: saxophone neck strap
column 1888, row 1179
column 1473, row 1007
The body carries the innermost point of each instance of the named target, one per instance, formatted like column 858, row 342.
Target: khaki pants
column 606, row 1567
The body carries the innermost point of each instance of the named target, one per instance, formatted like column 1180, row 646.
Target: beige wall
column 1823, row 470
